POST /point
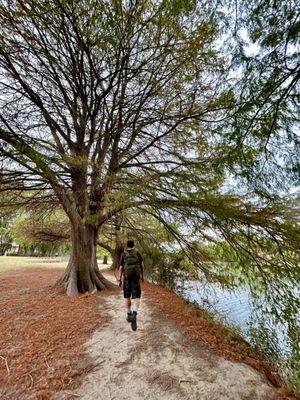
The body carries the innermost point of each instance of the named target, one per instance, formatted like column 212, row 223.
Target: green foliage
column 5, row 239
column 41, row 234
column 264, row 337
column 262, row 136
column 6, row 214
column 166, row 268
column 101, row 253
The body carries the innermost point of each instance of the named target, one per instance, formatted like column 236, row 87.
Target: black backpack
column 132, row 264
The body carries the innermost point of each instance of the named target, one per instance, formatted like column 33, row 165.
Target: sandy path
column 152, row 363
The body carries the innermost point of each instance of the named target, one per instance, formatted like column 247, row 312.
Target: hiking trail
column 155, row 362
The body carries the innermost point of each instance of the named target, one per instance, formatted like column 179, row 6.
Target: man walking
column 131, row 272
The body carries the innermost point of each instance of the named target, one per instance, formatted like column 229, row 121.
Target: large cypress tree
column 93, row 91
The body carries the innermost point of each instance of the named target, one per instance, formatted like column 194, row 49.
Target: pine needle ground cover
column 42, row 334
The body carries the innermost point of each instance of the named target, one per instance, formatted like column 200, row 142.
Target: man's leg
column 129, row 310
column 136, row 299
column 136, row 304
column 128, row 305
column 127, row 298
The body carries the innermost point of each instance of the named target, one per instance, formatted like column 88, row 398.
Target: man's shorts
column 132, row 287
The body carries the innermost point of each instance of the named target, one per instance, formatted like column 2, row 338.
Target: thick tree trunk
column 119, row 242
column 117, row 255
column 82, row 274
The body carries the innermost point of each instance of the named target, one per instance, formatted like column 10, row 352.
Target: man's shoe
column 133, row 321
column 129, row 317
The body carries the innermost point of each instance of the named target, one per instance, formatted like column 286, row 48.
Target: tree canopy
column 109, row 106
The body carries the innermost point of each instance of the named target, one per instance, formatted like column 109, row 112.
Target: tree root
column 69, row 281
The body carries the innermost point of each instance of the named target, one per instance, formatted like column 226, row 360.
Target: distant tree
column 5, row 236
column 40, row 234
column 6, row 215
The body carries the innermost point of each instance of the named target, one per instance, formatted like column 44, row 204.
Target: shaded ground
column 52, row 346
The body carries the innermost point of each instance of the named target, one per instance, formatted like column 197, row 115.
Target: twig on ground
column 31, row 379
column 158, row 376
column 73, row 394
column 6, row 364
column 47, row 362
column 94, row 366
column 185, row 380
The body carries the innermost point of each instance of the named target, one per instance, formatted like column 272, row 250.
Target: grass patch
column 15, row 262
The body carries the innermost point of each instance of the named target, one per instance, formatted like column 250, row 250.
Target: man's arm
column 121, row 272
column 142, row 271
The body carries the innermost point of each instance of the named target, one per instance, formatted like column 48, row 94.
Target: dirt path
column 153, row 363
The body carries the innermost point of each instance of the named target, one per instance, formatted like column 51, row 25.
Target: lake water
column 236, row 307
